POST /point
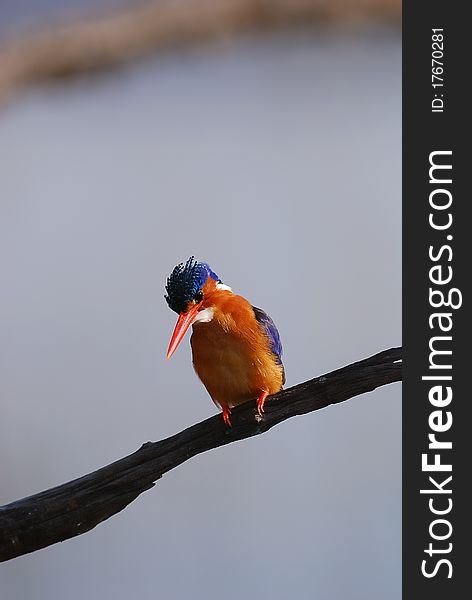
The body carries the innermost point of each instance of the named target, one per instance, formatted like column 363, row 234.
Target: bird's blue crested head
column 185, row 283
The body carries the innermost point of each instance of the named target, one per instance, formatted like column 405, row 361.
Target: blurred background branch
column 78, row 506
column 108, row 40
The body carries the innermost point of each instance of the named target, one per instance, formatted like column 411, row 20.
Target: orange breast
column 232, row 356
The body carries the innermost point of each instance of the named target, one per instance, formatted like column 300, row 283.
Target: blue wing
column 271, row 331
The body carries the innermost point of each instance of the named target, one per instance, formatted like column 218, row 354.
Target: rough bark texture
column 112, row 39
column 79, row 505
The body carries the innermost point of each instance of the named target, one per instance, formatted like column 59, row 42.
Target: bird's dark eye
column 198, row 296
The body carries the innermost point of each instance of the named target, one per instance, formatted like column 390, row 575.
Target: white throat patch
column 204, row 316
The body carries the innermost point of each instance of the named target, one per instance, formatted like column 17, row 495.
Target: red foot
column 261, row 401
column 226, row 419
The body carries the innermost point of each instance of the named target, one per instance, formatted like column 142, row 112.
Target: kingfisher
column 236, row 348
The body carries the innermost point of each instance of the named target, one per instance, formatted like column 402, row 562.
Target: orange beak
column 183, row 323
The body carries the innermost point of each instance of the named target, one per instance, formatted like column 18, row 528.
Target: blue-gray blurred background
column 275, row 157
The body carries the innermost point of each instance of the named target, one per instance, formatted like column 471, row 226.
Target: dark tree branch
column 77, row 506
column 108, row 40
